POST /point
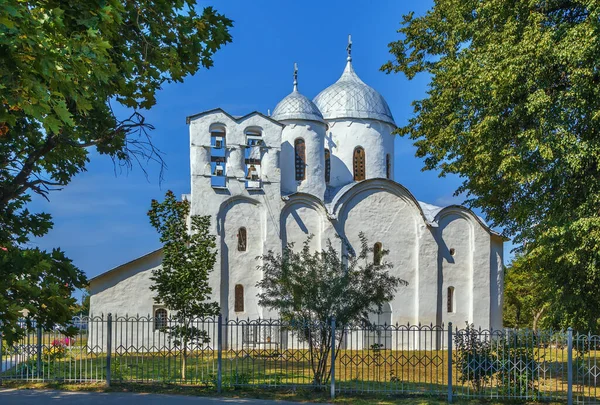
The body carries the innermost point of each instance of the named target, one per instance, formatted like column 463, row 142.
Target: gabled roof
column 121, row 266
column 233, row 118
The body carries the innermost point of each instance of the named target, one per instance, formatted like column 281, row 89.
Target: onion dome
column 350, row 97
column 295, row 106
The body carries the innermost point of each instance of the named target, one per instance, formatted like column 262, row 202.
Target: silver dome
column 350, row 97
column 295, row 106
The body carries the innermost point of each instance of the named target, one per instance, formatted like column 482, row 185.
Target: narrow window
column 388, row 166
column 359, row 164
column 452, row 251
column 242, row 240
column 327, row 166
column 377, row 253
column 300, row 149
column 160, row 318
column 450, row 303
column 239, row 298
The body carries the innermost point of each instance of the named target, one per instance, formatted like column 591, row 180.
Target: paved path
column 39, row 397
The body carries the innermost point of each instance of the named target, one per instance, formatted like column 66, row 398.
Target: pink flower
column 3, row 248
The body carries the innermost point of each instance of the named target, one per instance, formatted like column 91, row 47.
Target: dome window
column 388, row 166
column 300, row 152
column 359, row 164
column 327, row 166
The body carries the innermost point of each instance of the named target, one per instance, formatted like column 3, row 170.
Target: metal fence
column 390, row 359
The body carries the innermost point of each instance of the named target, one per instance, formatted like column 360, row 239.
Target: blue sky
column 100, row 218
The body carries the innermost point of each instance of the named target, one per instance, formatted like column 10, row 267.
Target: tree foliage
column 63, row 65
column 525, row 298
column 513, row 107
column 181, row 282
column 309, row 289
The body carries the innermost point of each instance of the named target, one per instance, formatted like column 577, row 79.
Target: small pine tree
column 181, row 283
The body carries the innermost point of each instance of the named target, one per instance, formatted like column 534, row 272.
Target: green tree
column 525, row 298
column 181, row 282
column 309, row 289
column 513, row 108
column 63, row 65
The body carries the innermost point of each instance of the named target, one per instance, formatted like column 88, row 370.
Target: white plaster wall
column 125, row 290
column 239, row 267
column 392, row 219
column 456, row 271
column 313, row 134
column 344, row 135
column 301, row 220
column 496, row 281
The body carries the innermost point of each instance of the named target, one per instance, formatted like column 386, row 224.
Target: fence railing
column 393, row 359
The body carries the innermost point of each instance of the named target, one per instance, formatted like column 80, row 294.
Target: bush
column 517, row 369
column 474, row 357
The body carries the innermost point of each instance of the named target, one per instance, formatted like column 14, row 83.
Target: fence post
column 449, row 362
column 108, row 347
column 570, row 366
column 332, row 358
column 39, row 350
column 220, row 354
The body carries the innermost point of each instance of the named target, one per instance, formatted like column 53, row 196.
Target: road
column 39, row 397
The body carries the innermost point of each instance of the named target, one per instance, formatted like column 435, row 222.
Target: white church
column 323, row 167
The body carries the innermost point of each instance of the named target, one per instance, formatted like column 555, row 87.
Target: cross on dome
column 295, row 76
column 349, row 48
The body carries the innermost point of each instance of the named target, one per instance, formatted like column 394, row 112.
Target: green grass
column 402, row 372
column 297, row 395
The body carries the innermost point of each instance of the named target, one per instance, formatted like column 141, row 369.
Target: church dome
column 296, row 106
column 350, row 97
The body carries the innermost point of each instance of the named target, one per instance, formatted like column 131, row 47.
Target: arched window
column 239, row 298
column 327, row 166
column 359, row 164
column 160, row 318
column 377, row 254
column 300, row 149
column 450, row 303
column 242, row 240
column 388, row 166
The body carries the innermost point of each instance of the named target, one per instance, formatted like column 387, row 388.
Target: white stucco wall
column 125, row 290
column 344, row 135
column 313, row 134
column 389, row 216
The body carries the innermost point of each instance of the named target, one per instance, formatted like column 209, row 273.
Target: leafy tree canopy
column 181, row 282
column 63, row 64
column 513, row 107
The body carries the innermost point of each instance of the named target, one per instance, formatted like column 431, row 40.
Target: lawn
column 422, row 373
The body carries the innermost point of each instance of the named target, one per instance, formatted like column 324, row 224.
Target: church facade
column 323, row 167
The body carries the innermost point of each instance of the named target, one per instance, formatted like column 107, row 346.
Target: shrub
column 474, row 357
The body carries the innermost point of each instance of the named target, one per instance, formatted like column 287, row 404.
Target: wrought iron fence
column 391, row 359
